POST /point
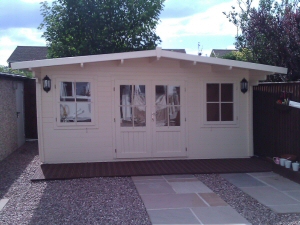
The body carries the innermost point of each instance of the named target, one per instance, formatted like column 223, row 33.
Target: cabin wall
column 92, row 144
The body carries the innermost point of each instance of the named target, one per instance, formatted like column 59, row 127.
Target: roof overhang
column 157, row 53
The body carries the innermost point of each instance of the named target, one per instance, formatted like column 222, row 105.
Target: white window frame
column 235, row 122
column 75, row 125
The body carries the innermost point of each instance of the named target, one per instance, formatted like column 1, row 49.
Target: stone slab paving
column 274, row 191
column 183, row 199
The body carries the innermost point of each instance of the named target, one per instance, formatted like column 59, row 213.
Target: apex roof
column 28, row 53
column 156, row 54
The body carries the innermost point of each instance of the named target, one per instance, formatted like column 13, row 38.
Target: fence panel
column 276, row 128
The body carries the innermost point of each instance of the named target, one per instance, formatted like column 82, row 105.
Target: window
column 167, row 103
column 220, row 103
column 133, row 105
column 75, row 103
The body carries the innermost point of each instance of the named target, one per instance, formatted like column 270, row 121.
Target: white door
column 168, row 125
column 20, row 113
column 149, row 119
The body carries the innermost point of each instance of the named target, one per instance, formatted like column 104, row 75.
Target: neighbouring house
column 12, row 132
column 219, row 53
column 27, row 53
column 144, row 105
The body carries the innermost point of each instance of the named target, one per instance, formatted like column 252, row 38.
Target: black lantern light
column 244, row 86
column 46, row 84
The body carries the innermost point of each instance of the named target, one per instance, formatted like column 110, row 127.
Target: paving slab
column 172, row 216
column 242, row 180
column 263, row 174
column 3, row 203
column 269, row 196
column 294, row 194
column 213, row 199
column 154, row 188
column 287, row 208
column 280, row 183
column 219, row 215
column 136, row 178
column 172, row 201
column 190, row 187
column 179, row 176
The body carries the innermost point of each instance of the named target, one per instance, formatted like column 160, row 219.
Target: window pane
column 160, row 95
column 83, row 112
column 227, row 92
column 212, row 92
column 174, row 115
column 139, row 96
column 227, row 112
column 67, row 112
column 161, row 116
column 139, row 116
column 213, row 112
column 66, row 91
column 125, row 95
column 173, row 95
column 126, row 113
column 83, row 91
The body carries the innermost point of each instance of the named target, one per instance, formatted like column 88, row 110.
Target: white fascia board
column 224, row 62
column 83, row 59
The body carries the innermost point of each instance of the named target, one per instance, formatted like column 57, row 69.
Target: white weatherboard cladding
column 97, row 143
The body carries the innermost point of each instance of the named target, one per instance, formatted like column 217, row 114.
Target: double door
column 150, row 119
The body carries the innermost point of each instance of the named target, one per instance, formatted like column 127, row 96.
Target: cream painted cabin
column 144, row 105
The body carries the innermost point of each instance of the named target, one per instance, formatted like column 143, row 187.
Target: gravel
column 248, row 207
column 79, row 201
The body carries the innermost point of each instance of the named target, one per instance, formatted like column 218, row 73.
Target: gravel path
column 248, row 207
column 78, row 201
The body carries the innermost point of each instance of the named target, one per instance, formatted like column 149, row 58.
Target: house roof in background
column 28, row 53
column 12, row 76
column 219, row 53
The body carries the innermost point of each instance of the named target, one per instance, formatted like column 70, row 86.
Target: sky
column 183, row 24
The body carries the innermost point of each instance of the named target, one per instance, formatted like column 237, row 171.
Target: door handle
column 18, row 114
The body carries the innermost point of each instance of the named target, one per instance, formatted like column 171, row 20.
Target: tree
column 271, row 32
column 87, row 27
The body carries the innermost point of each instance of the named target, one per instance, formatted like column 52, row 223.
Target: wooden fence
column 276, row 128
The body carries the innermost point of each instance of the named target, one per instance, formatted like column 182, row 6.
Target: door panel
column 132, row 120
column 168, row 129
column 149, row 119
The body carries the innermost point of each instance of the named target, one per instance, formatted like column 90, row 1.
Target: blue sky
column 183, row 24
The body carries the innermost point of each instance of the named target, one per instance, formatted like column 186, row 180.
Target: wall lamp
column 47, row 84
column 244, row 85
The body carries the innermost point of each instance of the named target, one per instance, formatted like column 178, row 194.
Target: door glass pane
column 66, row 91
column 227, row 112
column 212, row 92
column 173, row 95
column 161, row 116
column 139, row 116
column 67, row 111
column 213, row 112
column 83, row 112
column 126, row 113
column 227, row 92
column 139, row 96
column 125, row 95
column 174, row 116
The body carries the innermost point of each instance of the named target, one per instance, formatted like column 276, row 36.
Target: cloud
column 11, row 38
column 210, row 22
